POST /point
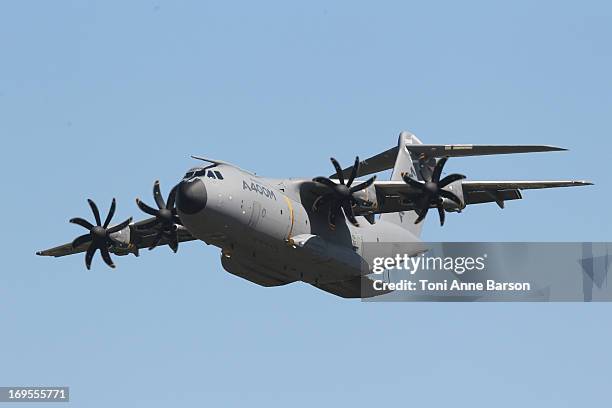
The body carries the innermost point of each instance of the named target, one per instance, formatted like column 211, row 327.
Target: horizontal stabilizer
column 461, row 150
column 386, row 160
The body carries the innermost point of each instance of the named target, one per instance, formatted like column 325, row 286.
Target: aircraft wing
column 396, row 196
column 386, row 160
column 476, row 192
column 137, row 239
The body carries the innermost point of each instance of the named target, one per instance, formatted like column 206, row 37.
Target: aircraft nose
column 191, row 196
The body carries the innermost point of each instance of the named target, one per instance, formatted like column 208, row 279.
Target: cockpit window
column 195, row 173
column 205, row 172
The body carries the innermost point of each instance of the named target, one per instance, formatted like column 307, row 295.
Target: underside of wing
column 396, row 196
column 478, row 192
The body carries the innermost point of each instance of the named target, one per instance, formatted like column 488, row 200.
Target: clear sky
column 99, row 99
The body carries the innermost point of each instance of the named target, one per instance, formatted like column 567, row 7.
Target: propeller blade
column 99, row 235
column 432, row 196
column 412, row 182
column 348, row 212
column 111, row 212
column 173, row 241
column 89, row 255
column 338, row 170
column 94, row 209
column 106, row 256
column 171, row 198
column 450, row 179
column 163, row 226
column 371, row 218
column 341, row 194
column 83, row 239
column 146, row 208
column 353, row 172
column 159, row 200
column 442, row 214
column 83, row 223
column 334, row 209
column 326, row 181
column 119, row 227
column 363, row 185
column 422, row 215
column 438, row 170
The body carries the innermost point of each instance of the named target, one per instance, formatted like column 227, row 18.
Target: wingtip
column 556, row 149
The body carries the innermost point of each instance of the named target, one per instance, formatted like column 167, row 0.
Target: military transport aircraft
column 277, row 231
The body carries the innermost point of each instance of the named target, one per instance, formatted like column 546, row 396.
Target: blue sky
column 99, row 99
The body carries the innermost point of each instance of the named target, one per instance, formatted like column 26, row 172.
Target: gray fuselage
column 268, row 233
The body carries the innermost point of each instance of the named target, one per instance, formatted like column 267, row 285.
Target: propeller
column 166, row 218
column 99, row 235
column 433, row 192
column 340, row 195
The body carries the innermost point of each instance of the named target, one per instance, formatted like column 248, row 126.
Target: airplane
column 273, row 232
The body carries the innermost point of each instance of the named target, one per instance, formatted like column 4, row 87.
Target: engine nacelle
column 457, row 189
column 129, row 240
column 366, row 201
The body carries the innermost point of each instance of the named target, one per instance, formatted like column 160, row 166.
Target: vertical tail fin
column 404, row 164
